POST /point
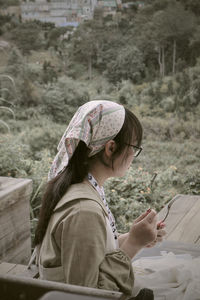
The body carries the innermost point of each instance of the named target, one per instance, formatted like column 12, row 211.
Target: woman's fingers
column 142, row 216
column 161, row 233
column 149, row 214
column 144, row 229
column 159, row 238
column 151, row 217
column 151, row 245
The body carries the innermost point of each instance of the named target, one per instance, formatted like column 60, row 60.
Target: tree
column 128, row 65
column 57, row 34
column 85, row 45
column 192, row 5
column 8, row 3
column 195, row 44
column 170, row 27
column 15, row 63
column 27, row 36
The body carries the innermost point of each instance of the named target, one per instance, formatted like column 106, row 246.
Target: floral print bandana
column 95, row 123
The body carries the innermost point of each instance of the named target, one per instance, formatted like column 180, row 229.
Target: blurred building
column 66, row 12
column 109, row 7
column 11, row 10
column 128, row 4
column 59, row 12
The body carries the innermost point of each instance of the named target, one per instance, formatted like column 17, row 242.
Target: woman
column 77, row 241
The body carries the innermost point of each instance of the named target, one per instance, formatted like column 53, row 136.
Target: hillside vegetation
column 147, row 60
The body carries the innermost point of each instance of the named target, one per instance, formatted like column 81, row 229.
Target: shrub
column 170, row 129
column 127, row 95
column 133, row 194
column 14, row 155
column 168, row 104
column 128, row 65
column 42, row 134
column 62, row 99
column 27, row 36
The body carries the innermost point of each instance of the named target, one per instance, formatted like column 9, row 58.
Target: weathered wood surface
column 15, row 238
column 18, row 270
column 183, row 221
column 15, row 288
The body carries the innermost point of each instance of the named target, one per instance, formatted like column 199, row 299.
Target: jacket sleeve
column 83, row 252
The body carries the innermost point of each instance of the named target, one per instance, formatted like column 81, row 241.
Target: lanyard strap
column 101, row 192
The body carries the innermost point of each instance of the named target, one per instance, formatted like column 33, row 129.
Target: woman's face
column 123, row 162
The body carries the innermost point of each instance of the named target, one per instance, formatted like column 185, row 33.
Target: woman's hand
column 142, row 232
column 160, row 235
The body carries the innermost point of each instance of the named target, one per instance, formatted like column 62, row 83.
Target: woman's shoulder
column 84, row 194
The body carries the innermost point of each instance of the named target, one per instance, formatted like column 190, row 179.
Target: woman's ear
column 110, row 148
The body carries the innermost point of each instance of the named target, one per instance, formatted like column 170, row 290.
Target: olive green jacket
column 79, row 246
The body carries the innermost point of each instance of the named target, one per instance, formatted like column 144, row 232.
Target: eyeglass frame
column 138, row 148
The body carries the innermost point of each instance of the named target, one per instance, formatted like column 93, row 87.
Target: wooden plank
column 11, row 239
column 33, row 289
column 15, row 219
column 18, row 212
column 183, row 222
column 20, row 253
column 18, row 270
column 6, row 267
column 188, row 229
column 16, row 186
column 32, row 272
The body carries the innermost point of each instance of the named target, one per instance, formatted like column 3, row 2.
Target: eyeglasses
column 137, row 150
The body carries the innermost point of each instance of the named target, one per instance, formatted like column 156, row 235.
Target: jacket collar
column 81, row 190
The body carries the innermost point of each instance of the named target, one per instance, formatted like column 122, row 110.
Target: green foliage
column 62, row 100
column 15, row 62
column 55, row 34
column 13, row 157
column 76, row 70
column 29, row 94
column 128, row 65
column 128, row 197
column 170, row 129
column 126, row 93
column 176, row 167
column 7, row 3
column 49, row 73
column 42, row 134
column 192, row 183
column 120, row 56
column 3, row 20
column 27, row 36
column 178, row 95
column 192, row 5
column 7, row 98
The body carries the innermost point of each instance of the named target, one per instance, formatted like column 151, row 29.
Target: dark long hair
column 78, row 168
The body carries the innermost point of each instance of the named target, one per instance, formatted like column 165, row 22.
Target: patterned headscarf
column 95, row 123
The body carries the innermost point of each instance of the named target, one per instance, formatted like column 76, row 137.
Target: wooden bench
column 183, row 221
column 23, row 288
column 15, row 237
column 18, row 270
column 183, row 227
